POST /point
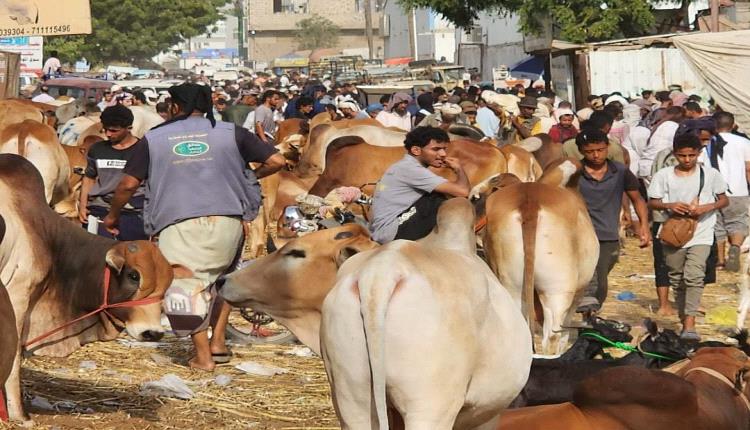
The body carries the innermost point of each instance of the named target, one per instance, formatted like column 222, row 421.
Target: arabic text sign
column 44, row 17
column 30, row 49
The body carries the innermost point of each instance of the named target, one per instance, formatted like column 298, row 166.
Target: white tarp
column 722, row 61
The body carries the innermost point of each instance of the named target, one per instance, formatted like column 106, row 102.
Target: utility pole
column 368, row 28
column 413, row 34
column 240, row 9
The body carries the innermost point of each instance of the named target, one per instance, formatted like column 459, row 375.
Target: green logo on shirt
column 190, row 148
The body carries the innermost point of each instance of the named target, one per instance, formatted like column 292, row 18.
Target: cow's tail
column 529, row 221
column 22, row 135
column 375, row 290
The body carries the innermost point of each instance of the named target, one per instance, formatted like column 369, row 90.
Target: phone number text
column 35, row 30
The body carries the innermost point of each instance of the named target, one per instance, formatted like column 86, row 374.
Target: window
column 290, row 6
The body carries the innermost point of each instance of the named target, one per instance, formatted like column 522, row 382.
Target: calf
column 554, row 381
column 55, row 272
column 424, row 332
column 709, row 393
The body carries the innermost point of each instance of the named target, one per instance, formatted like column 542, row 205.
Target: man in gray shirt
column 265, row 126
column 408, row 195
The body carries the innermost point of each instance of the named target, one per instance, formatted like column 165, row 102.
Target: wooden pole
column 368, row 28
column 714, row 15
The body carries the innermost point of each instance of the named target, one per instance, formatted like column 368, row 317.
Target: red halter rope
column 102, row 308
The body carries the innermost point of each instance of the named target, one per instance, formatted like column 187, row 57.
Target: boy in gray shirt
column 265, row 126
column 408, row 195
column 676, row 189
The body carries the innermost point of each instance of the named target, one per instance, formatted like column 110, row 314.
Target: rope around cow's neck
column 626, row 347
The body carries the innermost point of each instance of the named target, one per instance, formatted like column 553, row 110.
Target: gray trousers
column 609, row 253
column 687, row 268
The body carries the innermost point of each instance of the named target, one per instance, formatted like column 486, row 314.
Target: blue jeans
column 130, row 224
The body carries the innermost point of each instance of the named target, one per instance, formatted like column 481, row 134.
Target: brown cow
column 9, row 339
column 709, row 393
column 291, row 283
column 56, row 271
column 78, row 161
column 38, row 143
column 558, row 251
column 13, row 111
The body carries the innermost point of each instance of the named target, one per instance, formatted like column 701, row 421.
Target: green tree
column 577, row 20
column 133, row 31
column 316, row 32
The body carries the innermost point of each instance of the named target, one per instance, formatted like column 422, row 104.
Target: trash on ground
column 626, row 296
column 222, row 380
column 254, row 368
column 301, row 351
column 87, row 365
column 725, row 315
column 170, row 385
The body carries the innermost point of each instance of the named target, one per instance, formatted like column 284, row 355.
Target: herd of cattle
column 414, row 335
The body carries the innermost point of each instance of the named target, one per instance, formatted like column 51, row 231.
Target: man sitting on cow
column 199, row 189
column 408, row 195
column 106, row 160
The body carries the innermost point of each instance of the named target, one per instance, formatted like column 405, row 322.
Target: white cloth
column 43, row 98
column 662, row 138
column 249, row 123
column 391, row 119
column 488, row 122
column 51, row 66
column 636, row 145
column 732, row 164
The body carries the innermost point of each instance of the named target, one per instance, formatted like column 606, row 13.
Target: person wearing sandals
column 695, row 191
column 730, row 155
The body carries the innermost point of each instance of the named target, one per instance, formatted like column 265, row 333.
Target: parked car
column 81, row 89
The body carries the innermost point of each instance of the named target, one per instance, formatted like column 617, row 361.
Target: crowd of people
column 663, row 156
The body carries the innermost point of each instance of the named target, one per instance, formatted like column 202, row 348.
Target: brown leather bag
column 677, row 230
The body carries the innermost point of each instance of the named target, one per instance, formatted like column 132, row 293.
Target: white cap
column 150, row 94
column 450, row 109
column 294, row 88
column 115, row 88
column 348, row 105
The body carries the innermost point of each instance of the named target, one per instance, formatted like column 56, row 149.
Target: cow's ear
column 181, row 272
column 115, row 259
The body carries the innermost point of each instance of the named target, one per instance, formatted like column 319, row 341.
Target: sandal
column 222, row 358
column 690, row 336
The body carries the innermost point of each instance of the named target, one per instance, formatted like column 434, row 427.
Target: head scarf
column 678, row 98
column 192, row 97
column 396, row 99
column 561, row 112
column 631, row 114
column 425, row 101
column 374, row 107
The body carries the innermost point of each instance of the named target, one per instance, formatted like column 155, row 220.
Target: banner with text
column 44, row 17
column 30, row 49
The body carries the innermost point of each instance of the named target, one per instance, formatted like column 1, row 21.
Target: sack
column 677, row 231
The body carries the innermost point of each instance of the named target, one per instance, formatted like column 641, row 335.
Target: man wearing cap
column 525, row 123
column 199, row 189
column 43, row 96
column 469, row 110
column 106, row 160
column 396, row 113
column 371, row 111
column 444, row 118
column 594, row 103
column 348, row 108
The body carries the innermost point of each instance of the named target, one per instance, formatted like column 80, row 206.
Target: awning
column 530, row 68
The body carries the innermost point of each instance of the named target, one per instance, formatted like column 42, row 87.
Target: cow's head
column 299, row 275
column 139, row 271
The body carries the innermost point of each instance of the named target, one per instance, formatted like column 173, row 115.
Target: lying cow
column 558, row 251
column 425, row 332
column 709, row 393
column 9, row 339
column 54, row 272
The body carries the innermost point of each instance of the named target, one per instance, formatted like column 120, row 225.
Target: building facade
column 493, row 41
column 271, row 26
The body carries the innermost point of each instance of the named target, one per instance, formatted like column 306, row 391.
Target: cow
column 38, row 143
column 70, row 132
column 559, row 246
column 55, row 272
column 425, row 332
column 291, row 283
column 14, row 111
column 144, row 119
column 553, row 381
column 352, row 162
column 313, row 160
column 709, row 393
column 9, row 339
column 78, row 162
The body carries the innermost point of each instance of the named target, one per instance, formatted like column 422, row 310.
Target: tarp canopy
column 721, row 61
column 530, row 68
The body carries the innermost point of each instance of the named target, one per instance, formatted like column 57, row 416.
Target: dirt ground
column 107, row 396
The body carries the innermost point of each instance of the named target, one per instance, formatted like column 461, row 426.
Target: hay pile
column 107, row 397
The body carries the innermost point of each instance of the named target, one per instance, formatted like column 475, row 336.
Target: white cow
column 425, row 333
